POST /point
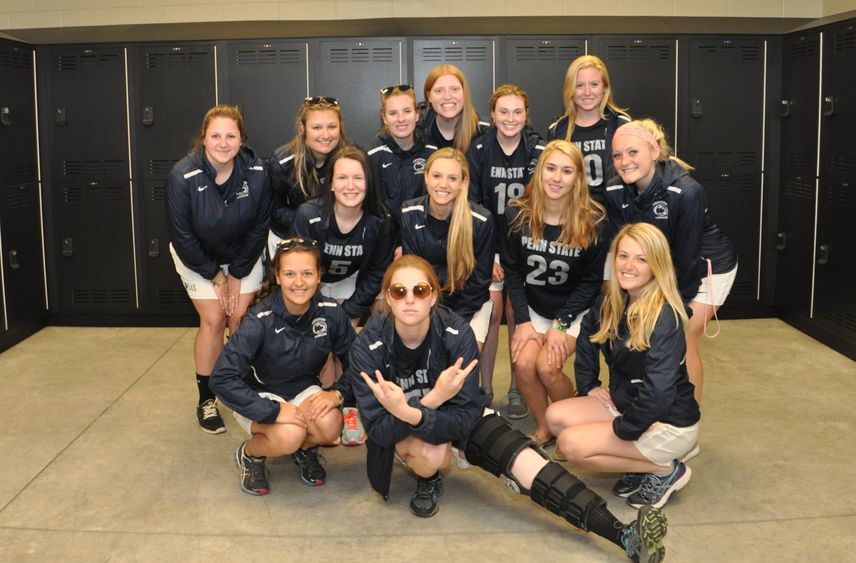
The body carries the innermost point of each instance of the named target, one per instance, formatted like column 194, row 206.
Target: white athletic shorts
column 198, row 287
column 714, row 290
column 247, row 424
column 662, row 442
column 481, row 321
column 543, row 324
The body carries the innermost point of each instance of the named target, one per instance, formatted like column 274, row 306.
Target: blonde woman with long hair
column 590, row 118
column 646, row 422
column 455, row 236
column 552, row 253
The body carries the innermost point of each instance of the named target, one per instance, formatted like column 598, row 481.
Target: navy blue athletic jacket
column 287, row 196
column 647, row 387
column 559, row 128
column 374, row 235
column 480, row 159
column 427, row 120
column 209, row 228
column 417, row 238
column 276, row 352
column 450, row 338
column 400, row 173
column 676, row 204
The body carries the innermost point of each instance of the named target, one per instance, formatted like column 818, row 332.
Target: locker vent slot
column 639, row 52
column 840, row 318
column 344, row 55
column 531, row 53
column 726, row 161
column 100, row 296
column 743, row 289
column 455, row 53
column 89, row 61
column 23, row 197
column 799, row 189
column 19, row 173
column 16, row 58
column 158, row 193
column 93, row 168
column 172, row 297
column 728, row 52
column 805, row 47
column 795, row 161
column 177, row 59
column 267, row 56
column 79, row 193
column 842, row 194
column 161, row 167
column 842, row 166
column 845, row 41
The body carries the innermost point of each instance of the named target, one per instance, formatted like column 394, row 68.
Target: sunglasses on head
column 389, row 90
column 421, row 290
column 289, row 243
column 321, row 100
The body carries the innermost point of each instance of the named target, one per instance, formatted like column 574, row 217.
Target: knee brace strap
column 563, row 494
column 493, row 445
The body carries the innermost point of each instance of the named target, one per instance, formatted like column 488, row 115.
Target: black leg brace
column 493, row 445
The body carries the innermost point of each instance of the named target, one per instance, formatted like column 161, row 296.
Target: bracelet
column 559, row 326
column 340, row 396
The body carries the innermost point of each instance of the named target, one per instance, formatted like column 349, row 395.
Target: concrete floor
column 101, row 459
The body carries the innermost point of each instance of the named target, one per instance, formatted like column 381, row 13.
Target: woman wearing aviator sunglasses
column 415, row 377
column 268, row 371
column 299, row 168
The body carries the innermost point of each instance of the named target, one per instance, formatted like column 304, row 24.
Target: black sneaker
column 253, row 472
column 209, row 418
column 311, row 471
column 516, row 407
column 656, row 489
column 643, row 539
column 423, row 503
column 628, row 484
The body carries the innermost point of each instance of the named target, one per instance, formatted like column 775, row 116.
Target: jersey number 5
column 559, row 271
column 339, row 267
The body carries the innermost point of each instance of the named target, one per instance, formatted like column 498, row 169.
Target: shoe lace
column 351, row 421
column 652, row 487
column 257, row 470
column 426, row 488
column 209, row 410
column 311, row 464
column 631, row 541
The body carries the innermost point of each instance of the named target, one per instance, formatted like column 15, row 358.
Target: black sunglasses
column 289, row 243
column 321, row 100
column 398, row 291
column 389, row 90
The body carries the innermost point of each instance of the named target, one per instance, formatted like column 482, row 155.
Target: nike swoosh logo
column 625, row 205
column 202, row 188
column 417, row 227
column 387, row 165
column 278, row 330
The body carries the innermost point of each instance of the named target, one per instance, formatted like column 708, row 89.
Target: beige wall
column 29, row 14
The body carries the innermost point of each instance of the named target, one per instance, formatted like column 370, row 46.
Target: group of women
column 441, row 228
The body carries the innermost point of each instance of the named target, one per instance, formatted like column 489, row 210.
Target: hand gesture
column 390, row 396
column 451, row 380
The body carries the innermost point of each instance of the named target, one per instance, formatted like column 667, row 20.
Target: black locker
column 724, row 124
column 85, row 124
column 173, row 87
column 354, row 71
column 268, row 81
column 23, row 274
column 475, row 58
column 835, row 301
column 17, row 116
column 538, row 65
column 798, row 115
column 642, row 71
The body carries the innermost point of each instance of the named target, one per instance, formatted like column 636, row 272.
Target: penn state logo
column 244, row 191
column 418, row 165
column 530, row 170
column 660, row 209
column 319, row 327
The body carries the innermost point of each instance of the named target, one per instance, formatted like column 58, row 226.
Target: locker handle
column 829, row 105
column 696, row 108
column 67, row 247
column 60, row 116
column 4, row 116
column 13, row 260
column 154, row 248
column 823, row 254
column 148, row 115
column 783, row 241
column 785, row 110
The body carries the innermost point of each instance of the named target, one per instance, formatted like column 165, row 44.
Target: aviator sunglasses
column 398, row 291
column 289, row 243
column 321, row 100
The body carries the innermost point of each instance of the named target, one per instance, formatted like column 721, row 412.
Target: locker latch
column 823, row 254
column 786, row 108
column 13, row 260
column 67, row 247
column 60, row 116
column 696, row 108
column 154, row 248
column 5, row 116
column 148, row 115
column 828, row 106
column 782, row 239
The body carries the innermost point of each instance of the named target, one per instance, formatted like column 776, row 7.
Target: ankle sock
column 204, row 392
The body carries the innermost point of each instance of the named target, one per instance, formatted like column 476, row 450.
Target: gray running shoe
column 643, row 539
column 656, row 489
column 516, row 407
column 253, row 472
column 423, row 503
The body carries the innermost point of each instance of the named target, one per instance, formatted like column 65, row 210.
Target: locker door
column 724, row 143
column 20, row 232
column 354, row 71
column 538, row 65
column 268, row 81
column 642, row 71
column 835, row 301
column 90, row 183
column 795, row 238
column 17, row 121
column 475, row 58
column 173, row 88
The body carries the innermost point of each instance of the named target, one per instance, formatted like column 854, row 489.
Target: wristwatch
column 339, row 395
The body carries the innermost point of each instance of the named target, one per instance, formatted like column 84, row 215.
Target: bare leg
column 532, row 388
column 422, row 458
column 701, row 313
column 491, row 343
column 209, row 337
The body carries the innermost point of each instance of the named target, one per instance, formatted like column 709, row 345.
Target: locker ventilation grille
column 158, row 192
column 346, row 55
column 172, row 297
column 743, row 289
column 95, row 193
column 728, row 52
column 845, row 41
column 795, row 161
column 842, row 166
column 843, row 194
column 639, row 52
column 839, row 318
column 727, row 161
column 89, row 61
column 16, row 58
column 267, row 57
column 805, row 47
column 21, row 197
column 19, row 173
column 161, row 167
column 799, row 189
column 93, row 167
column 531, row 53
column 100, row 296
column 177, row 59
column 457, row 53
